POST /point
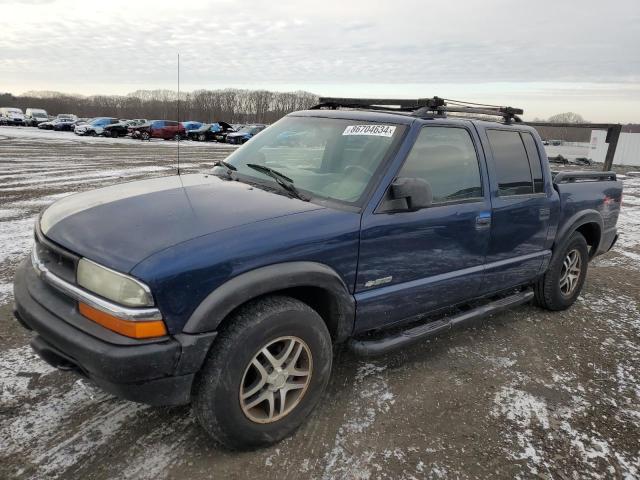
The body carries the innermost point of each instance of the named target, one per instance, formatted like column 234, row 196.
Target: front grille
column 59, row 261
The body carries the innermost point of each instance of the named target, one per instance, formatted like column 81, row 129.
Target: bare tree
column 231, row 105
column 567, row 117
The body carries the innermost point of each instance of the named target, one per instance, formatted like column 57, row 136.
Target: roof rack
column 422, row 107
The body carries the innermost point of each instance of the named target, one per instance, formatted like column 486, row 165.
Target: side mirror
column 416, row 191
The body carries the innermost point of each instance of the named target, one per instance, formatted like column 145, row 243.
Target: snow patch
column 371, row 398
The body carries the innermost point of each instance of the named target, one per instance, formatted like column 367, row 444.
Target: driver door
column 412, row 262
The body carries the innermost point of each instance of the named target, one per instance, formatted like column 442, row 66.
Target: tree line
column 231, row 105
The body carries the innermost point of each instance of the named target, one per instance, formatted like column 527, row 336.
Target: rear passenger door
column 520, row 209
column 171, row 128
column 412, row 262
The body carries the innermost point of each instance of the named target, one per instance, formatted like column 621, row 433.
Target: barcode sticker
column 375, row 130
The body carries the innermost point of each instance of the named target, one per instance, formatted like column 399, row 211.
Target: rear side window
column 170, row 124
column 511, row 161
column 446, row 158
column 534, row 162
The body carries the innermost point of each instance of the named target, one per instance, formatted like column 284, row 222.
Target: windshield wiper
column 280, row 178
column 229, row 168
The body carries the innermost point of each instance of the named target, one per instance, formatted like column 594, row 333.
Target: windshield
column 325, row 157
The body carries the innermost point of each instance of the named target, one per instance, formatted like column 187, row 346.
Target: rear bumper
column 609, row 239
column 157, row 373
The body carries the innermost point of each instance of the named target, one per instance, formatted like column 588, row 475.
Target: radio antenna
column 178, row 114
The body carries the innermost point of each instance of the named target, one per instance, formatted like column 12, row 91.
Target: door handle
column 483, row 220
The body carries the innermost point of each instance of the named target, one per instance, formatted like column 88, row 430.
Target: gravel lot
column 527, row 393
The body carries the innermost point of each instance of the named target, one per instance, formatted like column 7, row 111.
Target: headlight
column 115, row 286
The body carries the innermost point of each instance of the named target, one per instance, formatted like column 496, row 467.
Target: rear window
column 534, row 162
column 511, row 161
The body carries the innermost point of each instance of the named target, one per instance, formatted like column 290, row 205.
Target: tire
column 145, row 136
column 114, row 134
column 222, row 394
column 176, row 137
column 202, row 137
column 93, row 133
column 556, row 290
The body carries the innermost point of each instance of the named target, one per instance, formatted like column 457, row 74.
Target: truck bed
column 597, row 193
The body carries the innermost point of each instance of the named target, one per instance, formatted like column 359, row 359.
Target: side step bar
column 380, row 346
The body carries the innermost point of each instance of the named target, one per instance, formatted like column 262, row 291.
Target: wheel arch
column 589, row 223
column 313, row 283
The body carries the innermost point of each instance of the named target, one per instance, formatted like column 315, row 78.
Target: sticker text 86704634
column 376, row 130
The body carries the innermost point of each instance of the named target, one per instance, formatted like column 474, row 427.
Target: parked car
column 35, row 116
column 166, row 129
column 245, row 134
column 190, row 126
column 121, row 128
column 95, row 127
column 11, row 116
column 69, row 116
column 58, row 124
column 211, row 131
column 228, row 289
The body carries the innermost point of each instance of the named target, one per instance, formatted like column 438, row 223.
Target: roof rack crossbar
column 421, row 107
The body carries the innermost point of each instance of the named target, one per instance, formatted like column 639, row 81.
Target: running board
column 380, row 346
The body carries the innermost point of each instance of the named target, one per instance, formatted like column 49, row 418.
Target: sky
column 543, row 56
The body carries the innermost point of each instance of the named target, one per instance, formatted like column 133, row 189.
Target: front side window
column 511, row 162
column 446, row 158
column 330, row 158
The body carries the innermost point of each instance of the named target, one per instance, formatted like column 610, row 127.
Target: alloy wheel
column 570, row 273
column 276, row 379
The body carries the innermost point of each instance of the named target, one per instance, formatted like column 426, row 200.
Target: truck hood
column 121, row 225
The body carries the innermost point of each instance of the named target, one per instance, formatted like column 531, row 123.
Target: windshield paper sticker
column 375, row 130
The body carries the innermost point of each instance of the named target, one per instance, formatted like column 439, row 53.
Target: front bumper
column 156, row 372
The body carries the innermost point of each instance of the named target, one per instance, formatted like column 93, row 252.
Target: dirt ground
column 524, row 394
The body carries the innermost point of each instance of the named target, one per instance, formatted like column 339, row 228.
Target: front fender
column 255, row 283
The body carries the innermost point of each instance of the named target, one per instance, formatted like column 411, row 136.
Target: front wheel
column 202, row 137
column 145, row 136
column 560, row 286
column 177, row 137
column 265, row 373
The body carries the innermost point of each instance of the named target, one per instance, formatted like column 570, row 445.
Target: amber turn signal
column 135, row 329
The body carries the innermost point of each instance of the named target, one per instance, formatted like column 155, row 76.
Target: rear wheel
column 560, row 286
column 264, row 374
column 202, row 137
column 177, row 137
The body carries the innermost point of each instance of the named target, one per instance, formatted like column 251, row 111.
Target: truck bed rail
column 573, row 177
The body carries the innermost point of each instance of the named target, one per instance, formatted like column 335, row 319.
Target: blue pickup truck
column 380, row 226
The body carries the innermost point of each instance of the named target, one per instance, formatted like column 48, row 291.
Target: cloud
column 90, row 46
